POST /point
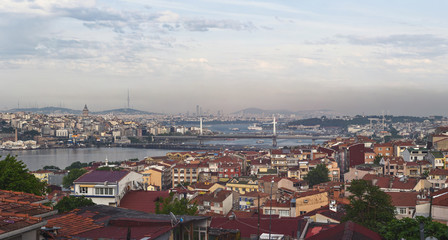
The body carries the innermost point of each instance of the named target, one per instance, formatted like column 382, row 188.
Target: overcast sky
column 347, row 56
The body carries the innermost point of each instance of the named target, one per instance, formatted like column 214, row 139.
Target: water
column 37, row 159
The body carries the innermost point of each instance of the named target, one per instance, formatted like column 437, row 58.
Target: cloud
column 203, row 25
column 409, row 45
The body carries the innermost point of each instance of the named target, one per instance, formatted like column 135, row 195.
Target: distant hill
column 58, row 110
column 46, row 110
column 305, row 113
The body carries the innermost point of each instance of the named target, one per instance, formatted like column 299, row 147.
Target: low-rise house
column 42, row 175
column 384, row 149
column 107, row 187
column 360, row 171
column 437, row 159
column 405, row 203
column 393, row 166
column 282, row 208
column 414, row 154
column 158, row 177
column 400, row 146
column 309, row 201
column 438, row 178
column 205, row 187
column 218, row 202
column 439, row 206
column 250, row 200
column 243, row 184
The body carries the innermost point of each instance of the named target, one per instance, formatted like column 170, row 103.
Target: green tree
column 176, row 206
column 369, row 206
column 74, row 174
column 51, row 167
column 377, row 159
column 71, row 202
column 15, row 176
column 317, row 175
column 409, row 229
column 77, row 164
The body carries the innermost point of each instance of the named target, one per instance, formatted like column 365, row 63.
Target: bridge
column 274, row 136
column 244, row 136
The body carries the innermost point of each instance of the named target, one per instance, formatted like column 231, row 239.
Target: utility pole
column 258, row 232
column 270, row 208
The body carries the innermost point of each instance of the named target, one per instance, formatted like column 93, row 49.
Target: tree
column 317, row 175
column 15, row 176
column 176, row 206
column 369, row 206
column 377, row 159
column 71, row 202
column 51, row 167
column 408, row 228
column 74, row 174
column 77, row 164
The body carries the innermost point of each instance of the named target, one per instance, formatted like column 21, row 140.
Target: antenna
column 174, row 220
column 128, row 98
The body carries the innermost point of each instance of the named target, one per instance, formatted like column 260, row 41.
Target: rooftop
column 102, row 176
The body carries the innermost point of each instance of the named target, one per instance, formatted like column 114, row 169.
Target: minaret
column 85, row 111
column 200, row 126
column 106, row 162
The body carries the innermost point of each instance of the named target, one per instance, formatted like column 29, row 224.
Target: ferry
column 255, row 127
column 260, row 141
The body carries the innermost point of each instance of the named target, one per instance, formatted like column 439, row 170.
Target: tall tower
column 129, row 99
column 85, row 111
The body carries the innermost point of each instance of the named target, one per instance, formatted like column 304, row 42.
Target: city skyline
column 346, row 56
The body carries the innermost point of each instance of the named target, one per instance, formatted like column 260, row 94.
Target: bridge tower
column 274, row 133
column 200, row 126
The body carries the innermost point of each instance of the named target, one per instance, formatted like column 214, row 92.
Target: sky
column 349, row 56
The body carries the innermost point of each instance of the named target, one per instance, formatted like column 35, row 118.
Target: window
column 83, row 190
column 402, row 210
column 104, row 191
column 206, row 203
column 268, row 212
column 283, row 213
column 217, row 204
column 302, row 212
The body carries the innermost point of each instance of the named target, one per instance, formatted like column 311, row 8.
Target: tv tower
column 129, row 99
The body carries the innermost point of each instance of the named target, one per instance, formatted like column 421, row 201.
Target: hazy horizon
column 348, row 56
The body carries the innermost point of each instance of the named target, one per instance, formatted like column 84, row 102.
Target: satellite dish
column 174, row 220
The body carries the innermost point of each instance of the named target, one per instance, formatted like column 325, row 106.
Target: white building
column 107, row 187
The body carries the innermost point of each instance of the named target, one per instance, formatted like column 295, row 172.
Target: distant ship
column 235, row 129
column 255, row 127
column 260, row 141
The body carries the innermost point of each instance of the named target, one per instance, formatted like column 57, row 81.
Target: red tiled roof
column 407, row 184
column 72, row 224
column 348, row 230
column 441, row 172
column 102, row 176
column 403, row 199
column 118, row 229
column 144, row 201
column 248, row 226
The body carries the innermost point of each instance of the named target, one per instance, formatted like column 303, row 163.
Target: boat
column 235, row 129
column 255, row 127
column 260, row 141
